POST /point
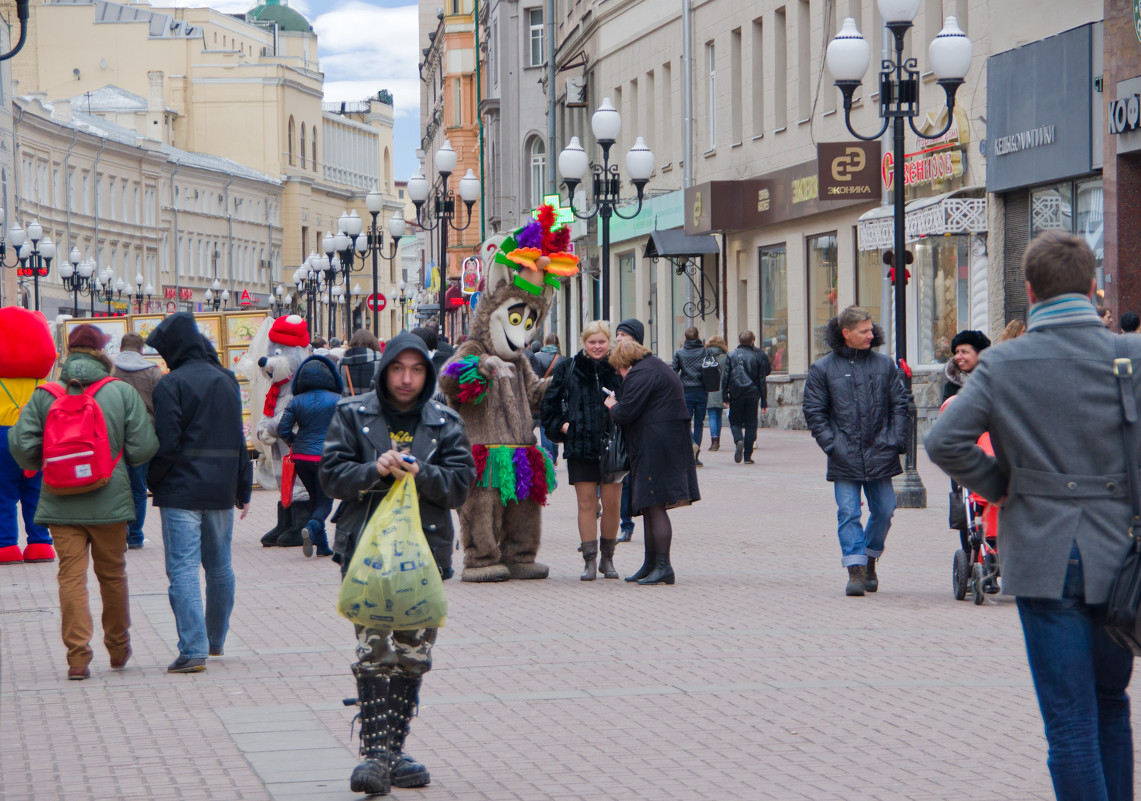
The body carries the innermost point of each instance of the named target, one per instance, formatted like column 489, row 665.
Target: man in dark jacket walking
column 199, row 475
column 130, row 367
column 1053, row 405
column 687, row 364
column 368, row 439
column 743, row 388
column 856, row 407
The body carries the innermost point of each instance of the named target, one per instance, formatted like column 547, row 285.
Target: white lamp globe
column 361, row 243
column 209, row 295
column 898, row 10
column 216, row 286
column 85, row 269
column 374, row 201
column 951, row 51
column 47, row 248
column 396, row 227
column 606, row 122
column 640, row 161
column 139, row 281
column 225, row 295
column 446, row 159
column 120, row 285
column 341, row 241
column 150, row 290
column 16, row 235
column 573, row 161
column 35, row 231
column 418, row 187
column 75, row 256
column 355, row 224
column 66, row 270
column 469, row 188
column 328, row 243
column 848, row 54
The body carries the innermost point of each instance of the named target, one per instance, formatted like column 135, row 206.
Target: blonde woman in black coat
column 650, row 407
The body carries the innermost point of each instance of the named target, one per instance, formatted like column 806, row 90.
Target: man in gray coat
column 1051, row 403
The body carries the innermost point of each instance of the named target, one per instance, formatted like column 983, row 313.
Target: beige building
column 247, row 88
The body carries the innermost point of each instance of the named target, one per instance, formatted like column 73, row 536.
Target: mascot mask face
column 512, row 325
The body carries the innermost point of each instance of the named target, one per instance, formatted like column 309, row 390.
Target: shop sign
column 1041, row 136
column 923, row 168
column 1124, row 113
column 1137, row 18
column 848, row 169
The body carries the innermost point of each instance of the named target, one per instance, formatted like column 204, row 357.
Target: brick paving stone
column 752, row 678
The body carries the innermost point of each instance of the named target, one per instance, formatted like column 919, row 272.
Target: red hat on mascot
column 290, row 331
column 36, row 354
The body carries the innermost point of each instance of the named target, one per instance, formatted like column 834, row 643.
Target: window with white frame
column 538, row 171
column 535, row 21
column 711, row 60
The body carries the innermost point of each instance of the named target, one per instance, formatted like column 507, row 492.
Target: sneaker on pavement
column 119, row 664
column 186, row 664
column 78, row 673
column 738, row 452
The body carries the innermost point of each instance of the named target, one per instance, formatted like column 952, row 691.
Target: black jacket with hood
column 687, row 364
column 756, row 368
column 575, row 396
column 202, row 461
column 359, row 433
column 856, row 407
column 316, row 390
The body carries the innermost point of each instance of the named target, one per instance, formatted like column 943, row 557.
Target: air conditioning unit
column 576, row 92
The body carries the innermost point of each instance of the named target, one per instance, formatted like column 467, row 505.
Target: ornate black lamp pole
column 141, row 291
column 371, row 242
column 848, row 57
column 77, row 276
column 573, row 163
column 35, row 252
column 443, row 209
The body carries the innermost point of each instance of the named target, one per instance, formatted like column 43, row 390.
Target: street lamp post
column 307, row 279
column 402, row 287
column 372, row 243
column 35, row 249
column 443, row 200
column 106, row 286
column 76, row 274
column 847, row 58
column 137, row 296
column 217, row 296
column 573, row 164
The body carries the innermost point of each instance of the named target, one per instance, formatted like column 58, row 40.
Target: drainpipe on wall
column 230, row 226
column 687, row 93
column 478, row 100
column 552, row 179
column 174, row 231
column 66, row 168
column 95, row 173
column 16, row 194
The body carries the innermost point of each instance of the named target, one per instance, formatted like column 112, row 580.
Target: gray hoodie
column 131, row 368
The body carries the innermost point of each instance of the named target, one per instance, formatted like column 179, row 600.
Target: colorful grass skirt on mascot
column 274, row 355
column 496, row 392
column 22, row 369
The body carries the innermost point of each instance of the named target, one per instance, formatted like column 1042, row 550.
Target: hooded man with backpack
column 743, row 388
column 199, row 475
column 86, row 501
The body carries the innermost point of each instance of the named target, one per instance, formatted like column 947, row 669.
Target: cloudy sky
column 364, row 46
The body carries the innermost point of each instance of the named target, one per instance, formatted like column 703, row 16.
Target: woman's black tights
column 658, row 530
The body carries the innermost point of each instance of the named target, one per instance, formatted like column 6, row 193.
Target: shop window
column 628, row 286
column 943, row 266
column 873, row 291
column 823, row 266
column 1077, row 208
column 774, row 306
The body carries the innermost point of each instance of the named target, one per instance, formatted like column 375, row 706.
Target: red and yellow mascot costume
column 22, row 368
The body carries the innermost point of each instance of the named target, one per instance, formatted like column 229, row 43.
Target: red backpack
column 77, row 451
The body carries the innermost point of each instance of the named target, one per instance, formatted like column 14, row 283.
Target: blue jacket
column 316, row 390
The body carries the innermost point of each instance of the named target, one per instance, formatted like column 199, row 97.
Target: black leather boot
column 405, row 771
column 663, row 572
column 269, row 539
column 606, row 562
column 373, row 774
column 299, row 516
column 871, row 580
column 647, row 562
column 589, row 555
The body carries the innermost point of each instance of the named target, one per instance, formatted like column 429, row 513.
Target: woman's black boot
column 406, row 771
column 647, row 563
column 373, row 774
column 662, row 573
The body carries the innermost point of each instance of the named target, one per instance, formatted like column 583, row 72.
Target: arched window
column 314, row 146
column 290, row 146
column 538, row 155
column 387, row 171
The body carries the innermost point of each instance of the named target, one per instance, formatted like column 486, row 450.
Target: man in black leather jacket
column 856, row 407
column 744, row 389
column 363, row 458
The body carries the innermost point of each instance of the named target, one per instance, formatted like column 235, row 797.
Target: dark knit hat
column 976, row 339
column 634, row 328
column 87, row 336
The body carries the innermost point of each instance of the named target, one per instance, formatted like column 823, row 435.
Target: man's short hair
column 852, row 316
column 1130, row 322
column 132, row 341
column 691, row 333
column 746, row 338
column 317, row 342
column 1057, row 263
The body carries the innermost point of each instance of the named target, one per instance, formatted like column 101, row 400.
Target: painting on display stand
column 210, row 326
column 143, row 325
column 241, row 328
column 113, row 327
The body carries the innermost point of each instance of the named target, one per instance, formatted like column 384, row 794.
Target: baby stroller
column 978, row 571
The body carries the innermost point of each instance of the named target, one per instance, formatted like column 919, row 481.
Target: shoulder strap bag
column 1122, row 622
column 551, row 366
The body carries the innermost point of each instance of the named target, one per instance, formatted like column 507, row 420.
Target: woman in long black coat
column 651, row 408
column 573, row 414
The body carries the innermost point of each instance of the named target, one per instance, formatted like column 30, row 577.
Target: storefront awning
column 676, row 243
column 963, row 211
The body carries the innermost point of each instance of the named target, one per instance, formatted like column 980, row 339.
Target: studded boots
column 406, row 772
column 373, row 775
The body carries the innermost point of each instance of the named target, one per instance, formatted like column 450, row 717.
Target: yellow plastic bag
column 392, row 581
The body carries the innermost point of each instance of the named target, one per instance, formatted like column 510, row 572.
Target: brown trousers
column 107, row 543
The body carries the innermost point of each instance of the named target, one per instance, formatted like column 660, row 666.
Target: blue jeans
column 858, row 542
column 15, row 488
column 139, row 494
column 194, row 537
column 1081, row 677
column 715, row 421
column 627, row 522
column 550, row 447
column 696, row 400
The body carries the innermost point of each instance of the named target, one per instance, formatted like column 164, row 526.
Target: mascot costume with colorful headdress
column 272, row 360
column 493, row 387
column 23, row 367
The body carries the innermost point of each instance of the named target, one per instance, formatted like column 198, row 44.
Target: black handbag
column 1122, row 622
column 614, row 461
column 957, row 516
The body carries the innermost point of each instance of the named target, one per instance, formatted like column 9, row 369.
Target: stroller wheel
column 977, row 592
column 960, row 574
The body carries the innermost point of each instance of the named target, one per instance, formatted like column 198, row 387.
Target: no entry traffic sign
column 376, row 302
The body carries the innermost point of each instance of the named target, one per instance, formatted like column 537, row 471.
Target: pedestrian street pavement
column 753, row 677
